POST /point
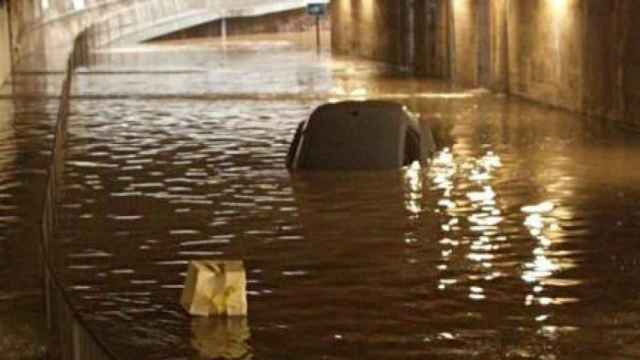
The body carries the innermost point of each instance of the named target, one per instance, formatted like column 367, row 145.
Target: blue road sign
column 317, row 9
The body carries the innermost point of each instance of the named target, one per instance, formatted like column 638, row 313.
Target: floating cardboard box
column 215, row 288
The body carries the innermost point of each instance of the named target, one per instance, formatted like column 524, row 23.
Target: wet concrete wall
column 579, row 55
column 627, row 77
column 546, row 51
column 464, row 42
column 5, row 55
column 372, row 29
column 47, row 33
column 283, row 22
column 42, row 37
column 432, row 39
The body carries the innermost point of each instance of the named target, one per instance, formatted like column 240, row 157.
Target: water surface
column 519, row 240
column 25, row 127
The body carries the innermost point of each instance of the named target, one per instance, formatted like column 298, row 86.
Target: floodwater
column 519, row 240
column 25, row 139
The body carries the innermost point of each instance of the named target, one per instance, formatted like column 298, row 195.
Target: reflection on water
column 413, row 186
column 518, row 239
column 221, row 338
column 24, row 128
column 8, row 153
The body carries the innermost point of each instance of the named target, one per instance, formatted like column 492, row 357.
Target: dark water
column 520, row 240
column 25, row 140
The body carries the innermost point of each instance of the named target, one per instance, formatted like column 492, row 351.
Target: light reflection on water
column 505, row 244
column 8, row 179
column 25, row 125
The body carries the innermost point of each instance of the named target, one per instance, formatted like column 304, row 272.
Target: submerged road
column 518, row 241
column 26, row 124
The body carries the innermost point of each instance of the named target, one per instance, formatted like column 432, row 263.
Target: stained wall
column 580, row 55
column 372, row 29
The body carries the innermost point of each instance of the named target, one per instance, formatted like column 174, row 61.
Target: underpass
column 503, row 245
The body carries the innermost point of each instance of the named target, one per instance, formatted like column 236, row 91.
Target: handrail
column 69, row 338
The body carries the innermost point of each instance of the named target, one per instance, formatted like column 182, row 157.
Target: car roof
column 355, row 135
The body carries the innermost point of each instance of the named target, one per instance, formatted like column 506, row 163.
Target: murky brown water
column 519, row 240
column 25, row 140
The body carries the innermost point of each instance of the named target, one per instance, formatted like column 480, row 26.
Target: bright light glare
column 542, row 208
column 559, row 7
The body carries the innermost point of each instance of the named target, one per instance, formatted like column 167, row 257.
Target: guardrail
column 69, row 338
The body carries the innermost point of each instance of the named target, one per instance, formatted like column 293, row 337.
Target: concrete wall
column 465, row 42
column 42, row 37
column 372, row 29
column 5, row 48
column 627, row 78
column 546, row 51
column 581, row 55
column 286, row 21
column 432, row 39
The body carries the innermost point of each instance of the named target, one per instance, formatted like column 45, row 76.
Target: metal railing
column 69, row 338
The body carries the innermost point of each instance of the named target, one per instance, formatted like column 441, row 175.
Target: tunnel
column 139, row 136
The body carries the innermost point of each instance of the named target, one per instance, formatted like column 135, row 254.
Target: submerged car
column 360, row 135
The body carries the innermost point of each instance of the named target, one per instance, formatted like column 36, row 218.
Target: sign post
column 317, row 9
